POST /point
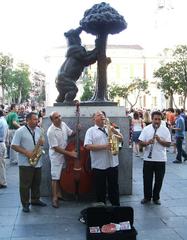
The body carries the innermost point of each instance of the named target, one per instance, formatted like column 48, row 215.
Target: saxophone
column 37, row 152
column 112, row 139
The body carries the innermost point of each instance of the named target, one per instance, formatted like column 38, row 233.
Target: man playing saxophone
column 104, row 165
column 155, row 138
column 26, row 142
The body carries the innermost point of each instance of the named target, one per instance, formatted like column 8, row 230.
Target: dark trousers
column 29, row 182
column 150, row 170
column 107, row 180
column 180, row 150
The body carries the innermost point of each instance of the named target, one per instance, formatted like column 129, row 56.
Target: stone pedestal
column 115, row 114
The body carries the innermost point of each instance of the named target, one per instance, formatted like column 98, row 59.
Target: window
column 180, row 101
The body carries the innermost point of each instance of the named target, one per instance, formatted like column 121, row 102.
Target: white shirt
column 24, row 139
column 158, row 151
column 58, row 137
column 137, row 125
column 101, row 159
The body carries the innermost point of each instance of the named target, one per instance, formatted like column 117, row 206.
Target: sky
column 30, row 28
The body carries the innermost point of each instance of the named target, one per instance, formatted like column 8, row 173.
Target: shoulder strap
column 33, row 135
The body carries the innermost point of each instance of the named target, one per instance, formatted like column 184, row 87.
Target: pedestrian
column 137, row 125
column 104, row 165
column 13, row 123
column 179, row 134
column 22, row 116
column 26, row 142
column 41, row 115
column 155, row 138
column 3, row 136
column 57, row 135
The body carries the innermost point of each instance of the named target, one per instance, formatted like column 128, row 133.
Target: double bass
column 76, row 178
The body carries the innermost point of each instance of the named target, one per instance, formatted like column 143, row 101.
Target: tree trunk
column 3, row 94
column 101, row 81
column 171, row 101
column 174, row 103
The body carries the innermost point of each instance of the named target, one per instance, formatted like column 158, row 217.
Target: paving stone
column 161, row 234
column 165, row 222
column 6, row 231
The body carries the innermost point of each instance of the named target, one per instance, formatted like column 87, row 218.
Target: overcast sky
column 29, row 28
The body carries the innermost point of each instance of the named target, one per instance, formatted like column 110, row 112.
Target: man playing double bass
column 57, row 135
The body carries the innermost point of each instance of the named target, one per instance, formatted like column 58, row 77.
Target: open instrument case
column 99, row 216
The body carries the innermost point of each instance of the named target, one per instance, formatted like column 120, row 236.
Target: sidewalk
column 153, row 222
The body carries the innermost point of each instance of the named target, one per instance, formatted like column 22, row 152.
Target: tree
column 169, row 82
column 180, row 56
column 101, row 20
column 6, row 65
column 88, row 86
column 173, row 75
column 18, row 83
column 136, row 86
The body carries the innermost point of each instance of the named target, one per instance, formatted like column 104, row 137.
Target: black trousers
column 107, row 181
column 180, row 150
column 152, row 170
column 29, row 184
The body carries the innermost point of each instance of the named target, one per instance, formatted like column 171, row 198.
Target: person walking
column 179, row 134
column 57, row 135
column 137, row 124
column 13, row 123
column 3, row 136
column 155, row 138
column 104, row 165
column 25, row 141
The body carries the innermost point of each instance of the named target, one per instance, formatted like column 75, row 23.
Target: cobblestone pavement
column 165, row 222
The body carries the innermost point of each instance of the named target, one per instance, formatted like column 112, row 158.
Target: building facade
column 127, row 63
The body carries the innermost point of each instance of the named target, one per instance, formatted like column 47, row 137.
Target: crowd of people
column 152, row 133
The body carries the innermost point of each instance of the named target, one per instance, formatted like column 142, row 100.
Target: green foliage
column 136, row 86
column 6, row 65
column 173, row 75
column 88, row 86
column 15, row 81
column 169, row 82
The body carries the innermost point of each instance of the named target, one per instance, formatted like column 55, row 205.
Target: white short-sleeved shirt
column 57, row 137
column 158, row 151
column 101, row 159
column 23, row 138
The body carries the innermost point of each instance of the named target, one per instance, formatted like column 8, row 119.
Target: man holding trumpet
column 155, row 138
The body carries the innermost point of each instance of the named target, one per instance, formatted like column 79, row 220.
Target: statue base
column 116, row 115
column 87, row 103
